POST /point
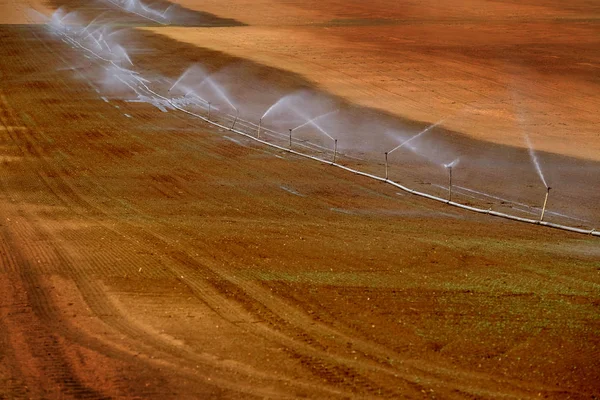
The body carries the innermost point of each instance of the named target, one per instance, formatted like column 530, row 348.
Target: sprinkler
column 208, row 111
column 290, row 138
column 545, row 202
column 386, row 166
column 450, row 183
column 334, row 150
column 449, row 167
column 259, row 126
column 237, row 114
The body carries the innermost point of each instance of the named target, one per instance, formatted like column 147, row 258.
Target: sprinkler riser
column 259, row 126
column 386, row 166
column 450, row 184
column 235, row 120
column 544, row 206
column 334, row 150
column 118, row 63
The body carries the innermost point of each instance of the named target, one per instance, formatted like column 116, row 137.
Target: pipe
column 593, row 232
column 208, row 111
column 545, row 202
column 290, row 138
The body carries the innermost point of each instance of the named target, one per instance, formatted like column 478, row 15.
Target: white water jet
column 452, row 164
column 110, row 52
column 304, row 100
column 535, row 160
column 313, row 121
column 218, row 90
column 120, row 53
column 143, row 10
column 190, row 73
column 92, row 22
column 274, row 105
column 424, row 131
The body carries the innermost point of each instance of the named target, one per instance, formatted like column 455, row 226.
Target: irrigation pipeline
column 592, row 232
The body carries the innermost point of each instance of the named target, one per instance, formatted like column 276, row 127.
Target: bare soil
column 490, row 69
column 149, row 255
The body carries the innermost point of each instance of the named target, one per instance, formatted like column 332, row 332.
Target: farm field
column 145, row 253
column 490, row 69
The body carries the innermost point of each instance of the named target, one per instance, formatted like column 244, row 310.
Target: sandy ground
column 144, row 254
column 492, row 70
column 23, row 11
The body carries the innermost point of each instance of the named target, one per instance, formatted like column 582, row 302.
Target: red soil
column 149, row 255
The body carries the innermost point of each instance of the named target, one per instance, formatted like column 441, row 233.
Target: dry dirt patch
column 491, row 70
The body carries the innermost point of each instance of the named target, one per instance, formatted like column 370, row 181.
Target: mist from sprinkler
column 293, row 102
column 275, row 105
column 534, row 159
column 192, row 73
column 294, row 106
column 416, row 136
column 452, row 164
column 61, row 20
column 97, row 38
column 218, row 90
column 143, row 10
column 197, row 82
column 279, row 103
column 538, row 168
column 314, row 120
column 100, row 41
column 407, row 144
column 93, row 22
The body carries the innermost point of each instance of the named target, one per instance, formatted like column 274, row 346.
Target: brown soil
column 149, row 255
column 490, row 69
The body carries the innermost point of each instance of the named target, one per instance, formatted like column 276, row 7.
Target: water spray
column 534, row 159
column 274, row 105
column 424, row 131
column 545, row 203
column 314, row 120
column 111, row 53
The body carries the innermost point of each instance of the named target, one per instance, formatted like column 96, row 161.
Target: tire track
column 93, row 294
column 80, row 206
column 39, row 353
column 215, row 283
